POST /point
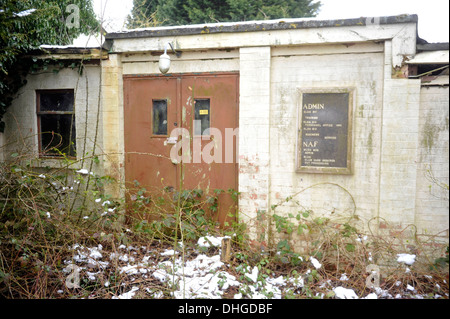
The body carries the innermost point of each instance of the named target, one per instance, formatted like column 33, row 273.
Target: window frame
column 201, row 135
column 39, row 113
column 153, row 135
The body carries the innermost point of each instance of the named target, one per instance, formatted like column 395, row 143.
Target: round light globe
column 164, row 63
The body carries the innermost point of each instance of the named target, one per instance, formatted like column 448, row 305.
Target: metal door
column 150, row 114
column 181, row 133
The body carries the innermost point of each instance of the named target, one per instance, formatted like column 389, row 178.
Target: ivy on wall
column 27, row 24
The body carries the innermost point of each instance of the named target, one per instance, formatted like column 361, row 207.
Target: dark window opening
column 202, row 117
column 159, row 117
column 56, row 121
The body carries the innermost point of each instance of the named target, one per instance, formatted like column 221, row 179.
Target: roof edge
column 261, row 25
column 69, row 52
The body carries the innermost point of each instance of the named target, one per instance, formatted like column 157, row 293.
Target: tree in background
column 27, row 24
column 148, row 13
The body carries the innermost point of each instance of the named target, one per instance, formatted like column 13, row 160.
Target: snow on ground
column 179, row 275
column 406, row 258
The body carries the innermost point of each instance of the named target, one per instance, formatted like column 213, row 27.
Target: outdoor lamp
column 164, row 59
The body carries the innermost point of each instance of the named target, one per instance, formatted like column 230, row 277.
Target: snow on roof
column 259, row 25
column 82, row 42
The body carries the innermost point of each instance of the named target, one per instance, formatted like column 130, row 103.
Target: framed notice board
column 324, row 143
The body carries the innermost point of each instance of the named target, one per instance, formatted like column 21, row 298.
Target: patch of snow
column 253, row 276
column 161, row 275
column 208, row 241
column 280, row 281
column 130, row 269
column 206, row 276
column 24, row 13
column 169, row 252
column 91, row 275
column 345, row 293
column 343, row 277
column 127, row 295
column 82, row 171
column 95, row 253
column 315, row 263
column 107, row 202
column 406, row 259
column 382, row 293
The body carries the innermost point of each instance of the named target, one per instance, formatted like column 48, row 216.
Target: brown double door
column 181, row 134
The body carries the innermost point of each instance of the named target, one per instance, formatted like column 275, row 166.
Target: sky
column 433, row 14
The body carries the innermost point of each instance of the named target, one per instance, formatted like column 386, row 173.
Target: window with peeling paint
column 56, row 122
column 159, row 117
column 202, row 117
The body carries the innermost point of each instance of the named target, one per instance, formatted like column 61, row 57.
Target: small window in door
column 159, row 117
column 202, row 117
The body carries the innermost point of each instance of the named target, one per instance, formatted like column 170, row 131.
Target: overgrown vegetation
column 51, row 217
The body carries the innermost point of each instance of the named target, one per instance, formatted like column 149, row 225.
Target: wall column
column 254, row 120
column 113, row 135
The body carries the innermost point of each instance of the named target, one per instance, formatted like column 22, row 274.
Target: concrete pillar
column 112, row 109
column 254, row 120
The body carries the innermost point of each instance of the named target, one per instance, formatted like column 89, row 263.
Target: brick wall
column 254, row 153
column 432, row 206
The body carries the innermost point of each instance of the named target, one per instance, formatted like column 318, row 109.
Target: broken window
column 202, row 117
column 159, row 117
column 56, row 122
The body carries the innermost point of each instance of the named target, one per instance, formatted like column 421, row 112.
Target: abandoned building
column 341, row 117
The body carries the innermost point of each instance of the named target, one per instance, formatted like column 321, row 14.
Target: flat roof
column 262, row 25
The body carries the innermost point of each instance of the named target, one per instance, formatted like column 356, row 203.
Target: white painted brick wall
column 363, row 71
column 254, row 111
column 432, row 206
column 399, row 151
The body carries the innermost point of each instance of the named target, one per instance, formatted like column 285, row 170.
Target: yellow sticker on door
column 203, row 112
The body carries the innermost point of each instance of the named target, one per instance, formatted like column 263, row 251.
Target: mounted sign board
column 325, row 131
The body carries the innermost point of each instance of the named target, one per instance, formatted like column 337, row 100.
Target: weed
column 46, row 213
